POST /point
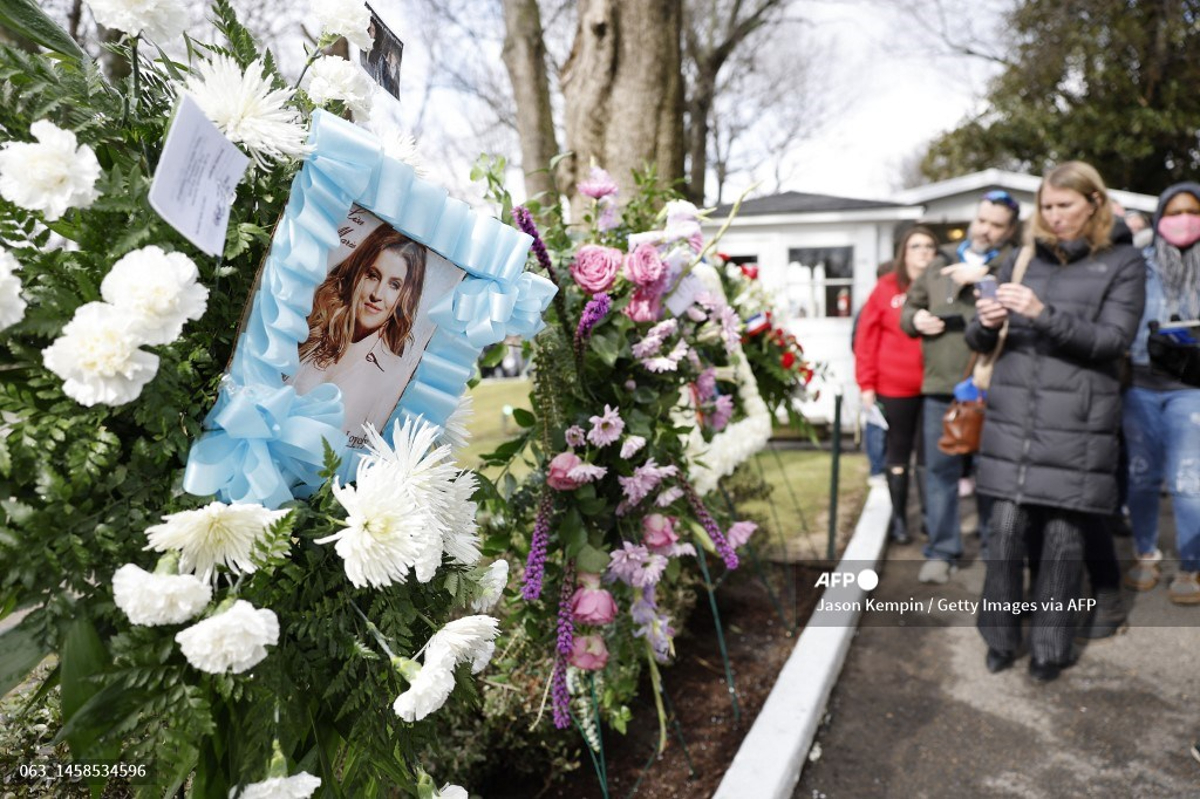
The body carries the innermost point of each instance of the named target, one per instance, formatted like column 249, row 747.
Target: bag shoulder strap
column 1023, row 259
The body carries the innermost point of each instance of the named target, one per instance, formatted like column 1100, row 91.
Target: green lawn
column 798, row 508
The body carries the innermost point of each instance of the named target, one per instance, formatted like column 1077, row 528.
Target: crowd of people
column 1084, row 424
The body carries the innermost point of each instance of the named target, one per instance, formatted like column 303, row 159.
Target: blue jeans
column 875, row 440
column 1162, row 433
column 941, row 487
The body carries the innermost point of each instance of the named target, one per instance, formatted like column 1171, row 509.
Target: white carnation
column 161, row 20
column 428, row 691
column 158, row 290
column 452, row 791
column 294, row 786
column 12, row 305
column 349, row 18
column 151, row 599
column 51, row 176
column 232, row 641
column 398, row 509
column 248, row 109
column 334, row 78
column 217, row 534
column 98, row 357
column 491, row 586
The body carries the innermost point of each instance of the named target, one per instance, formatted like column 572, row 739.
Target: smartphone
column 954, row 322
column 987, row 287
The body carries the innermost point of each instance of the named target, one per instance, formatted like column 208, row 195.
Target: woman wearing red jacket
column 889, row 367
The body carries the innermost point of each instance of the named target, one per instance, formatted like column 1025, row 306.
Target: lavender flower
column 636, row 566
column 564, row 646
column 595, row 310
column 598, row 184
column 645, row 479
column 660, row 634
column 710, row 526
column 632, row 445
column 668, row 496
column 706, row 384
column 524, row 221
column 722, row 413
column 575, row 436
column 608, row 214
column 535, row 566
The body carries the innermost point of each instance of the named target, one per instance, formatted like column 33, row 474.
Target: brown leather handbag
column 962, row 427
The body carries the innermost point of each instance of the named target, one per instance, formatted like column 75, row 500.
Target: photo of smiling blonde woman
column 361, row 327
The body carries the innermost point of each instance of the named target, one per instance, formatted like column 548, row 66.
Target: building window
column 820, row 281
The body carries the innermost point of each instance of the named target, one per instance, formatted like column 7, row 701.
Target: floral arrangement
column 637, row 377
column 242, row 651
column 774, row 355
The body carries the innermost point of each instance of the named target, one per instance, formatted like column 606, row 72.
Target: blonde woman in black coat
column 1049, row 448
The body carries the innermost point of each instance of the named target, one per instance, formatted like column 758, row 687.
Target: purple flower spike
column 596, row 309
column 524, row 221
column 559, row 694
column 710, row 526
column 535, row 566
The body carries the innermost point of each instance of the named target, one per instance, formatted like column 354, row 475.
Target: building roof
column 977, row 182
column 802, row 203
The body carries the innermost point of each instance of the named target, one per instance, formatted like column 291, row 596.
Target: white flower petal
column 349, row 18
column 491, row 586
column 98, row 357
column 232, row 641
column 159, row 290
column 216, row 535
column 334, row 78
column 51, row 176
column 161, row 20
column 301, row 785
column 150, row 599
column 12, row 305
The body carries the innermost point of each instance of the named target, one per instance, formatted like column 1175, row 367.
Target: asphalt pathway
column 916, row 714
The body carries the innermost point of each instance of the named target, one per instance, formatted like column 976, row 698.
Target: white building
column 818, row 256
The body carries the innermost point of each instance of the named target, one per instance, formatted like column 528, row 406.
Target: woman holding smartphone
column 1049, row 448
column 889, row 367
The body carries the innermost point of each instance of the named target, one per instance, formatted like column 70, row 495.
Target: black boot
column 1108, row 617
column 898, row 488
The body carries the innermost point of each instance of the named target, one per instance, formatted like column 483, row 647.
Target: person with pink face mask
column 1160, row 412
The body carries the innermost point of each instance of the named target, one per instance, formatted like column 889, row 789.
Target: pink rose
column 644, row 306
column 559, row 474
column 595, row 267
column 644, row 266
column 658, row 531
column 589, row 652
column 592, row 605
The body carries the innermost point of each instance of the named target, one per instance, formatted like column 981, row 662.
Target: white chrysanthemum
column 334, row 78
column 456, row 432
column 151, row 599
column 349, row 18
column 248, row 109
column 12, row 305
column 483, row 657
column 98, row 358
column 217, row 534
column 462, row 639
column 232, row 641
column 294, row 786
column 162, row 20
column 460, row 540
column 51, row 176
column 428, row 691
column 491, row 586
column 398, row 509
column 158, row 290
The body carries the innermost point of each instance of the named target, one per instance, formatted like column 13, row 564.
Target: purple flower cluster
column 524, row 221
column 565, row 645
column 710, row 526
column 595, row 310
column 535, row 566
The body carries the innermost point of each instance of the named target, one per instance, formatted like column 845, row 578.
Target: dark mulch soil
column 758, row 644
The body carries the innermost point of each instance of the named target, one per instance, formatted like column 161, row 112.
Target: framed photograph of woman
column 370, row 324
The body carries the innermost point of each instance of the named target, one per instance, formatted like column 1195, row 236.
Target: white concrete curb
column 769, row 761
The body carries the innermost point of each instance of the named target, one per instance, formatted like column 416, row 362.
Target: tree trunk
column 699, row 107
column 525, row 59
column 623, row 91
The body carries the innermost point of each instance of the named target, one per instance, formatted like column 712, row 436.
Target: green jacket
column 946, row 355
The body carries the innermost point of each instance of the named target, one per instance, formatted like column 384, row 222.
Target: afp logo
column 866, row 579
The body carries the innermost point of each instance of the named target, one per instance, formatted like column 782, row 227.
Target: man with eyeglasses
column 939, row 305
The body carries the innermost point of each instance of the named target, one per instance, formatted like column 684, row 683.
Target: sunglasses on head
column 1003, row 198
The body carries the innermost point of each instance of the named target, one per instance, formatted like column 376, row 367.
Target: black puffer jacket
column 1054, row 407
